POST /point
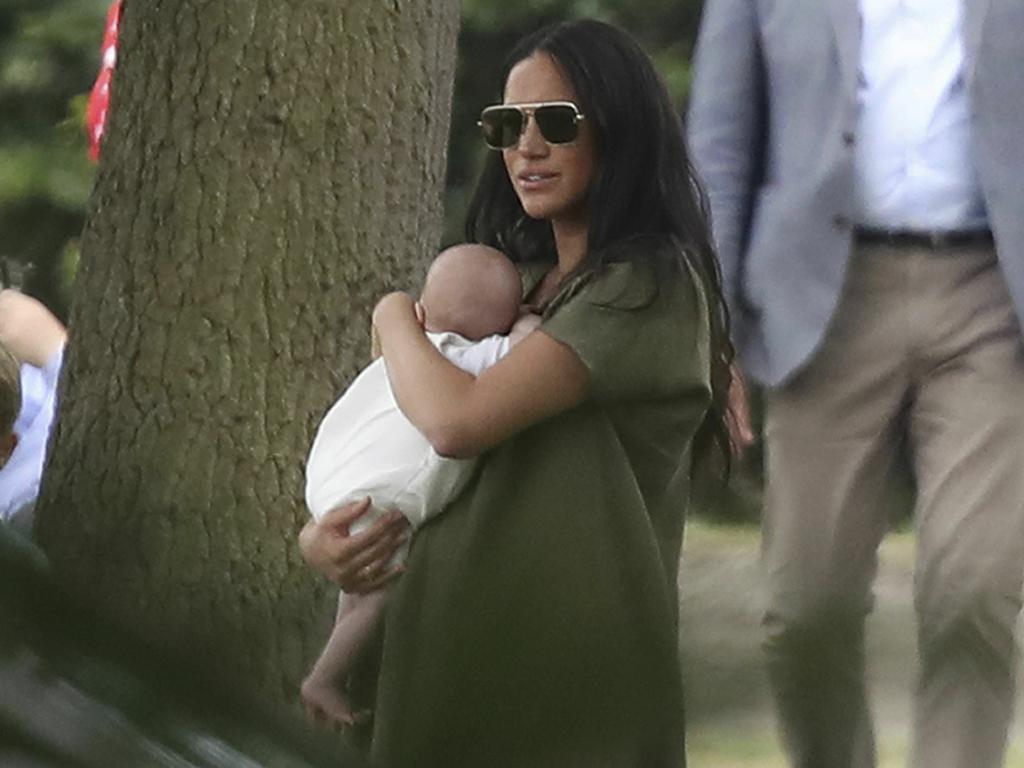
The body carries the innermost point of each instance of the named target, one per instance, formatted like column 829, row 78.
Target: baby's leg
column 323, row 689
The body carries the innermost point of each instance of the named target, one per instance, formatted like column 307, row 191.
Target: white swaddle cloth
column 365, row 446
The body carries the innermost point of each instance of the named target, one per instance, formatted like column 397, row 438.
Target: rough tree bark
column 271, row 168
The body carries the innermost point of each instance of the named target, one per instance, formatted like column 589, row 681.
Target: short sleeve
column 639, row 335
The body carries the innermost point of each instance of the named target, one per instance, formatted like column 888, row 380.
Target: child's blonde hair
column 10, row 391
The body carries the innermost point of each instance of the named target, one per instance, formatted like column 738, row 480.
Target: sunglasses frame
column 527, row 111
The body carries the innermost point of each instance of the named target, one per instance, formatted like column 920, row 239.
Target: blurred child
column 10, row 403
column 34, row 339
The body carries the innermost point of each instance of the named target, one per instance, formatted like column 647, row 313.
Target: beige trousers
column 924, row 348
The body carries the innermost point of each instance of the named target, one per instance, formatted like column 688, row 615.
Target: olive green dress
column 537, row 623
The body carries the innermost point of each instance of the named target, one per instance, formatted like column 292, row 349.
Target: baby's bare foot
column 325, row 703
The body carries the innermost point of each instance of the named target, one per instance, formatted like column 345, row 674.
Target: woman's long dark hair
column 644, row 184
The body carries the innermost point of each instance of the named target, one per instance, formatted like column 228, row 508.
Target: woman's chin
column 537, row 209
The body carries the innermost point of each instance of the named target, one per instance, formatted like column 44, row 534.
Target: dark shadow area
column 75, row 692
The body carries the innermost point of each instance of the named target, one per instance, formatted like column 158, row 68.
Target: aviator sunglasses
column 503, row 124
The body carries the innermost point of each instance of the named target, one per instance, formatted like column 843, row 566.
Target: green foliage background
column 49, row 57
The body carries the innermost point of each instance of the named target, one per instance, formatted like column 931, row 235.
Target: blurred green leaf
column 58, row 173
column 49, row 56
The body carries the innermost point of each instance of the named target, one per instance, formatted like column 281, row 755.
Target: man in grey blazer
column 864, row 161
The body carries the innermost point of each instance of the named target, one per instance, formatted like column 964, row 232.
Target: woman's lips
column 535, row 180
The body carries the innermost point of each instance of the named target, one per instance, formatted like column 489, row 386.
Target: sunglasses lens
column 557, row 123
column 501, row 126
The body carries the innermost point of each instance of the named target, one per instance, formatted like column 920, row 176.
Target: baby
column 365, row 446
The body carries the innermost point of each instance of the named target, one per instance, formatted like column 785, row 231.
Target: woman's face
column 551, row 180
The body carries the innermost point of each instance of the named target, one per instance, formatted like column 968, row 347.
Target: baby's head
column 471, row 290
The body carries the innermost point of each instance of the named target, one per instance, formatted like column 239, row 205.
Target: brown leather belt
column 934, row 240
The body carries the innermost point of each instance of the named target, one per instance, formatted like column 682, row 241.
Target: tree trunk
column 271, row 168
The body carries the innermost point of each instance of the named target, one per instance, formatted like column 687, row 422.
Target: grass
column 730, row 720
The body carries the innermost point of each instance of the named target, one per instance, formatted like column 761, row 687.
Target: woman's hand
column 358, row 562
column 395, row 310
column 397, row 306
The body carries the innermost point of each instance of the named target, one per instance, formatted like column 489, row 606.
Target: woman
column 536, row 623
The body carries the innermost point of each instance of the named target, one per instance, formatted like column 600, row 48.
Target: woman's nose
column 531, row 142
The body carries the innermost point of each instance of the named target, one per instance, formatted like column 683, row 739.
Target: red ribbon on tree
column 99, row 98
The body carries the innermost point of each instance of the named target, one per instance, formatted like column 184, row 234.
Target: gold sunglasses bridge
column 528, row 110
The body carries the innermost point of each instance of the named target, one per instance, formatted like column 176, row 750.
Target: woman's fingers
column 357, row 562
column 385, row 525
column 342, row 517
column 368, row 564
column 373, row 558
column 370, row 579
column 385, row 578
column 324, row 543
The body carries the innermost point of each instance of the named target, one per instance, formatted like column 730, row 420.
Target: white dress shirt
column 914, row 161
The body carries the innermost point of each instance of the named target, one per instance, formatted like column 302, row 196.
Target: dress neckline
column 533, row 275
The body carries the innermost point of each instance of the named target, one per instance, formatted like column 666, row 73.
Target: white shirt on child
column 20, row 477
column 365, row 446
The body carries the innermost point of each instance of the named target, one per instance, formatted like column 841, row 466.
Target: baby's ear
column 421, row 313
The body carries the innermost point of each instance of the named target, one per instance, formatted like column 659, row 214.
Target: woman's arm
column 463, row 416
column 527, row 323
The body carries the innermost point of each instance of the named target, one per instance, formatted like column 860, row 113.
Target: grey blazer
column 772, row 126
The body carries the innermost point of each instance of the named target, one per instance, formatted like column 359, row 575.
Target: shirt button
column 849, row 139
column 841, row 222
